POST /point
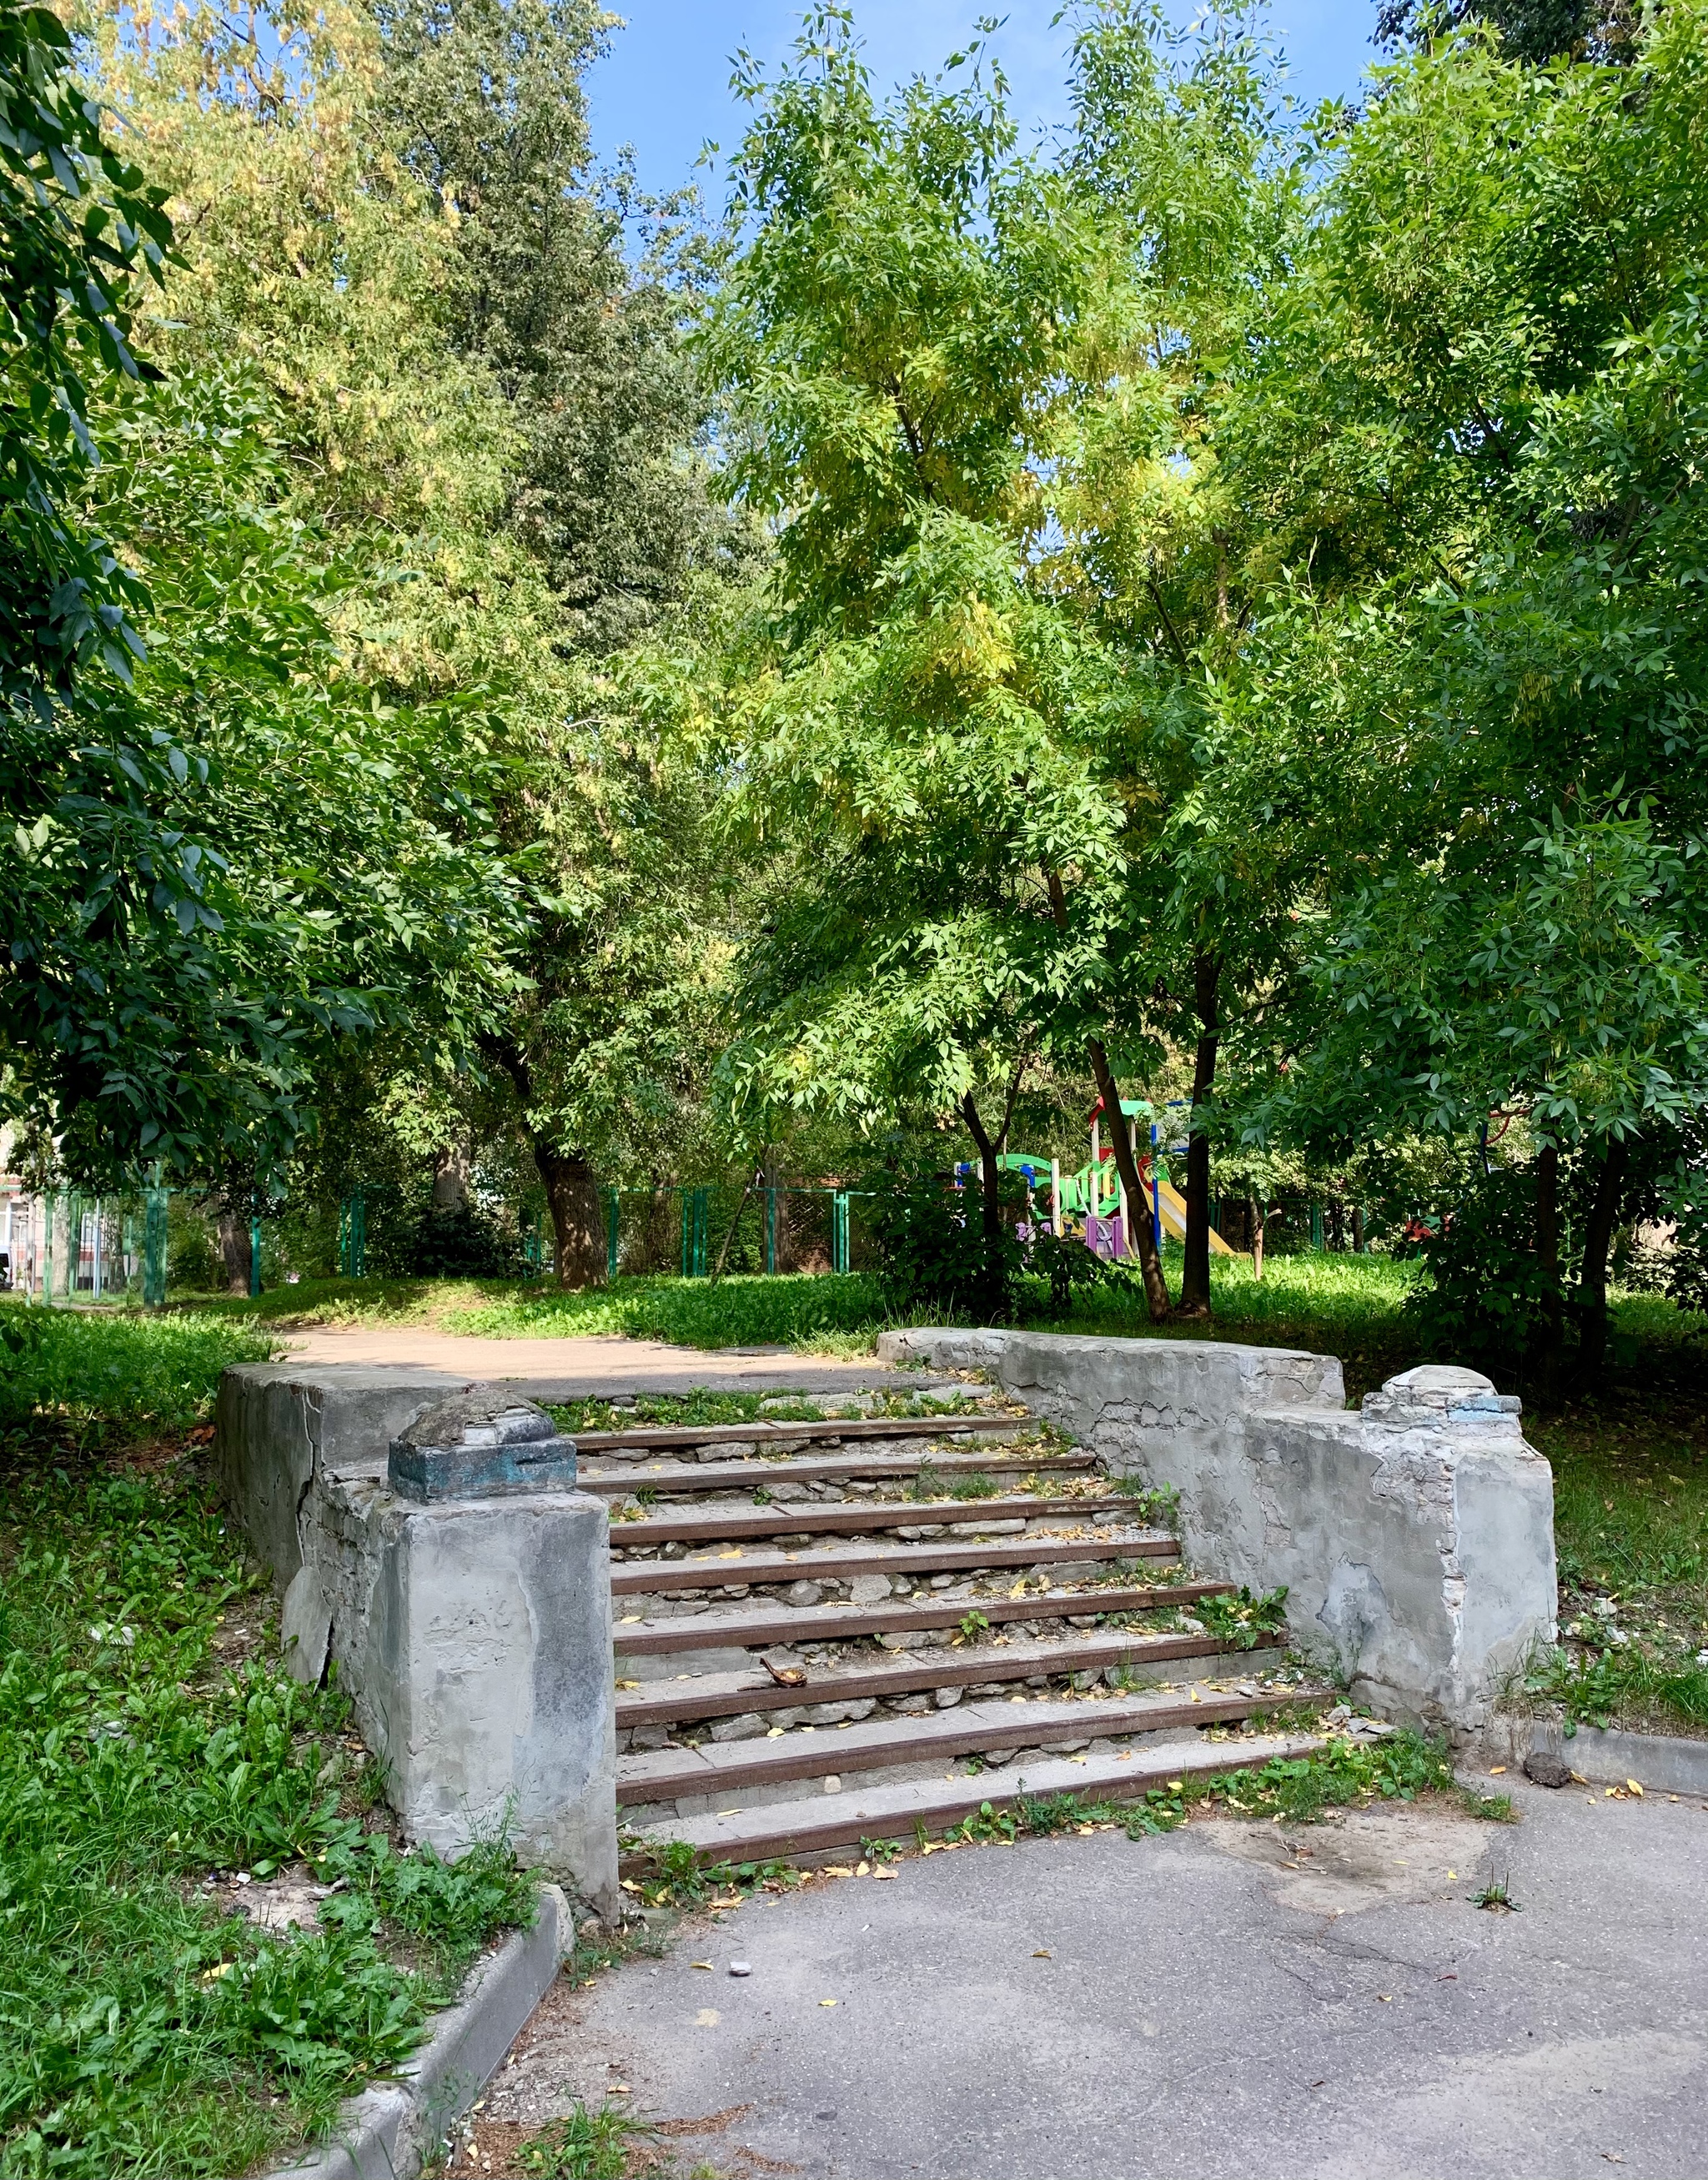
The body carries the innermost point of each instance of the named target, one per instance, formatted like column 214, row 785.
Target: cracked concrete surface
column 1322, row 2000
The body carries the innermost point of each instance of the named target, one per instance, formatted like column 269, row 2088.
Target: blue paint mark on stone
column 483, row 1444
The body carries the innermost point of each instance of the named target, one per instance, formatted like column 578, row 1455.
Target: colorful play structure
column 1092, row 1203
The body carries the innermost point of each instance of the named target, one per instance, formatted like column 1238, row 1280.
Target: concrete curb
column 1604, row 1754
column 389, row 2132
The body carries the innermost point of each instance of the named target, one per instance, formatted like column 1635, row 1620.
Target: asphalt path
column 1230, row 1999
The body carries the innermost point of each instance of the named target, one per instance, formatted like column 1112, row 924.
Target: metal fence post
column 839, row 1230
column 614, row 1203
column 352, row 1237
column 254, row 1255
column 154, row 1234
column 1316, row 1226
column 770, row 1230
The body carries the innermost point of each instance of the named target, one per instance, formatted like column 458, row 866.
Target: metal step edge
column 727, row 1695
column 781, row 1829
column 968, row 1729
column 635, row 1577
column 670, row 1434
column 768, row 1626
column 816, row 1517
column 739, row 1475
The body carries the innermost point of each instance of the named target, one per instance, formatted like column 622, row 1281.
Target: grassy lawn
column 156, row 1769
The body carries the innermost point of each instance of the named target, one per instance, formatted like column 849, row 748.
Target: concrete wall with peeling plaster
column 473, row 1637
column 1415, row 1539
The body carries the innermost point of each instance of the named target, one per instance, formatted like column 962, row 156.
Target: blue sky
column 665, row 87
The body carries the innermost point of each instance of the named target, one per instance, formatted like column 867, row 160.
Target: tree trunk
column 1357, row 1231
column 572, row 1194
column 1194, row 1283
column 1548, row 1263
column 993, row 1302
column 578, row 1225
column 1137, row 1198
column 236, row 1244
column 1592, row 1278
column 1260, row 1217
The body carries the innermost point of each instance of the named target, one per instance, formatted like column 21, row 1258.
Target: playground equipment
column 1093, row 1201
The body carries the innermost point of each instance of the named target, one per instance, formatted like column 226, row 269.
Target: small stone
column 1545, row 1769
column 749, row 1726
column 739, row 1968
column 803, row 1592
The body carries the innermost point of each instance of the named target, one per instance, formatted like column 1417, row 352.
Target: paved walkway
column 1233, row 2000
column 592, row 1367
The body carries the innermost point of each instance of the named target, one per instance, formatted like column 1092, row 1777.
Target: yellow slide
column 1172, row 1205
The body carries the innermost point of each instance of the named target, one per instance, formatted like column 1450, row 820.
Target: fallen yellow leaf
column 1041, row 1955
column 1495, row 1770
column 1635, row 1789
column 701, row 1964
column 827, row 2001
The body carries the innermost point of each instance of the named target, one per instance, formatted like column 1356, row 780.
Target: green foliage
column 1599, row 1688
column 932, row 1249
column 141, row 2030
column 1489, row 1302
column 85, row 232
column 585, row 2145
column 1298, row 1788
column 113, row 1379
column 1245, row 1621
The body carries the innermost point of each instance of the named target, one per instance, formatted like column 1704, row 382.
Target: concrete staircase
column 844, row 1630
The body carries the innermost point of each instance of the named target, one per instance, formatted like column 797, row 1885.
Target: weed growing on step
column 1298, row 1789
column 1157, row 1504
column 973, row 1625
column 142, row 2030
column 1242, row 1620
column 673, row 1875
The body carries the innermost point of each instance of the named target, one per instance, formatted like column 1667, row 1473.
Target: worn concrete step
column 782, row 1829
column 759, row 1626
column 652, row 1438
column 731, row 1694
column 845, row 1518
column 966, row 1729
column 667, row 1479
column 634, row 1577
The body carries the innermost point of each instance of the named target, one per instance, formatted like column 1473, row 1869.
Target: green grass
column 107, row 1378
column 706, row 1404
column 742, row 1311
column 143, row 1747
column 1631, row 1528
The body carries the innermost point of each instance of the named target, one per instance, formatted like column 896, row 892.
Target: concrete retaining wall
column 1415, row 1539
column 474, row 1637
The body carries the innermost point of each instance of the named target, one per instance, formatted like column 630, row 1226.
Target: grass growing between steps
column 710, row 1405
column 1346, row 1772
column 148, row 1751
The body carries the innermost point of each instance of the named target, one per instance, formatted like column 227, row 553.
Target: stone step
column 784, row 1828
column 734, row 1693
column 654, row 1438
column 736, row 1568
column 967, row 1729
column 821, row 1517
column 667, row 1478
column 760, row 1626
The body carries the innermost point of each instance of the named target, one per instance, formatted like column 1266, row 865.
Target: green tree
column 898, row 340
column 1504, row 275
